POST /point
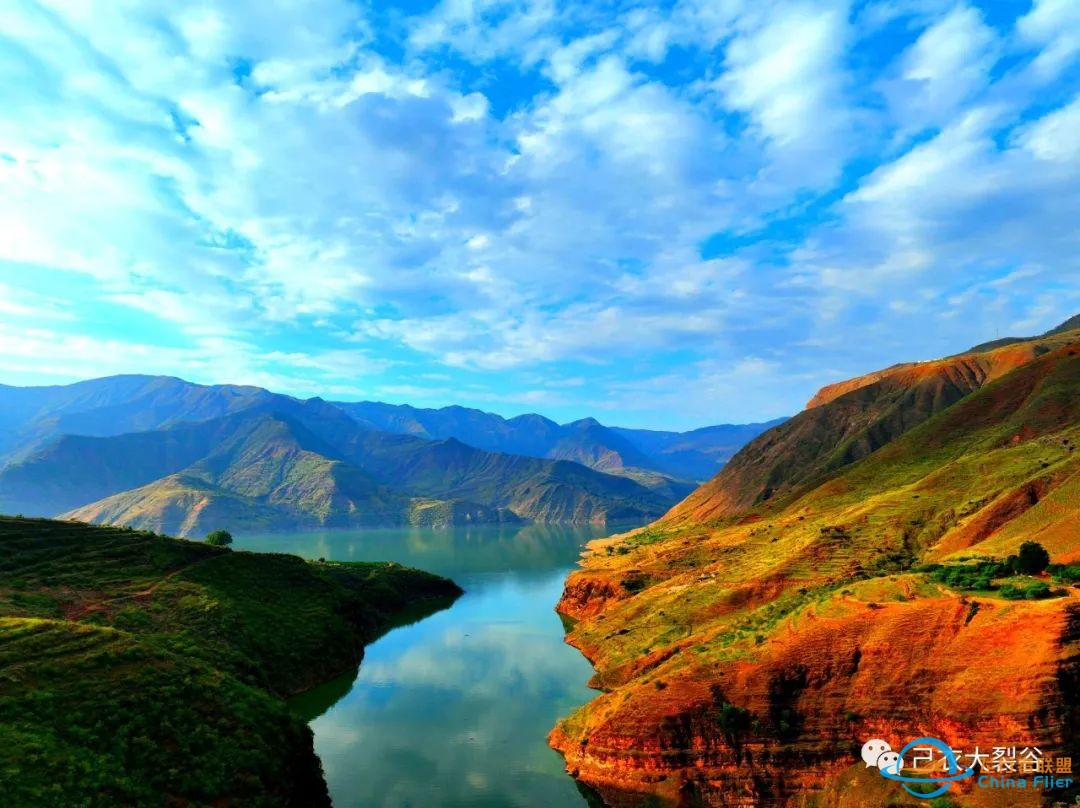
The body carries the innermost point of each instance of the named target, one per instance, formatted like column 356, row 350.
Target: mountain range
column 849, row 574
column 165, row 454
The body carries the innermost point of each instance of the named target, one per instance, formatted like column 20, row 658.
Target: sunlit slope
column 136, row 668
column 841, row 429
column 737, row 635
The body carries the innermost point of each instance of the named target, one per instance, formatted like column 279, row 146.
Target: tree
column 219, row 538
column 1032, row 558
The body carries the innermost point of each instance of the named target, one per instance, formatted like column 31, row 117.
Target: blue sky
column 659, row 214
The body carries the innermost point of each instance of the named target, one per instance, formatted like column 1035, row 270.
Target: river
column 454, row 710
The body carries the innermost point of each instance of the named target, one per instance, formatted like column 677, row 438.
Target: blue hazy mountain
column 167, row 454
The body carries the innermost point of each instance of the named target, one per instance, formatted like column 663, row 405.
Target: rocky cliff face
column 751, row 641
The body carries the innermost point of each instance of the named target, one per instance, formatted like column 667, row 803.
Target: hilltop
column 136, row 668
column 844, row 578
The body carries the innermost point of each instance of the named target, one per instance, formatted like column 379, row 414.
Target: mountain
column 286, row 464
column 846, row 577
column 698, row 454
column 166, row 454
column 655, row 458
column 134, row 666
column 848, row 421
column 31, row 416
column 1072, row 324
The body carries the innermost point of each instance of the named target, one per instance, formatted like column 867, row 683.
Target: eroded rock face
column 786, row 723
column 745, row 660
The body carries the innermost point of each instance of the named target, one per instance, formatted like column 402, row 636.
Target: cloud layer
column 666, row 215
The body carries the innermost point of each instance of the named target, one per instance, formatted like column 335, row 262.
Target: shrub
column 219, row 538
column 1032, row 558
column 1068, row 573
column 971, row 576
column 1038, row 591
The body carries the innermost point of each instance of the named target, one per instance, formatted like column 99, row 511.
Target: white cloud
column 1055, row 137
column 1054, row 27
column 949, row 62
column 787, row 73
column 520, row 184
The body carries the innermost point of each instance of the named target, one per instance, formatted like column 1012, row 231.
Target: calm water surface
column 454, row 710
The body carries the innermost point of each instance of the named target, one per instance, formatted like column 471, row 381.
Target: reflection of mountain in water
column 447, row 551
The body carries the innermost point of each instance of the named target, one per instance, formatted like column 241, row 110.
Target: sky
column 659, row 214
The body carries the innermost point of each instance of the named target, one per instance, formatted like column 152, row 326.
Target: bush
column 971, row 576
column 1069, row 573
column 1032, row 558
column 219, row 538
column 1036, row 591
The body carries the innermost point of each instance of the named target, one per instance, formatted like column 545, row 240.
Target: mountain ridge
column 287, row 464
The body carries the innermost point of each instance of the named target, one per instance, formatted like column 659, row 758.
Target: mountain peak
column 585, row 423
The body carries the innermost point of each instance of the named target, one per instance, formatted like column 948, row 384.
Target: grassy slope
column 682, row 603
column 142, row 670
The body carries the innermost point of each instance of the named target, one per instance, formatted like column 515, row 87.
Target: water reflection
column 454, row 710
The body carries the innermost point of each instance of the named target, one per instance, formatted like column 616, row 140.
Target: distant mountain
column 286, row 463
column 178, row 457
column 646, row 455
column 667, row 462
column 31, row 416
column 698, row 454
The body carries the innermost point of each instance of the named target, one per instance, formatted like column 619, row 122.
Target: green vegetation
column 141, row 670
column 1036, row 591
column 973, row 577
column 1032, row 558
column 1065, row 573
column 219, row 538
column 984, row 576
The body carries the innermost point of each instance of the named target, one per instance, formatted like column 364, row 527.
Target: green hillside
column 134, row 666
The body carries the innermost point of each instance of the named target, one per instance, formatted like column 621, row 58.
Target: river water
column 454, row 710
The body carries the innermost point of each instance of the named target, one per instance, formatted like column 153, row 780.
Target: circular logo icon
column 953, row 770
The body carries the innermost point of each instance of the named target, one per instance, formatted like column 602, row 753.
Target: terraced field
column 137, row 669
